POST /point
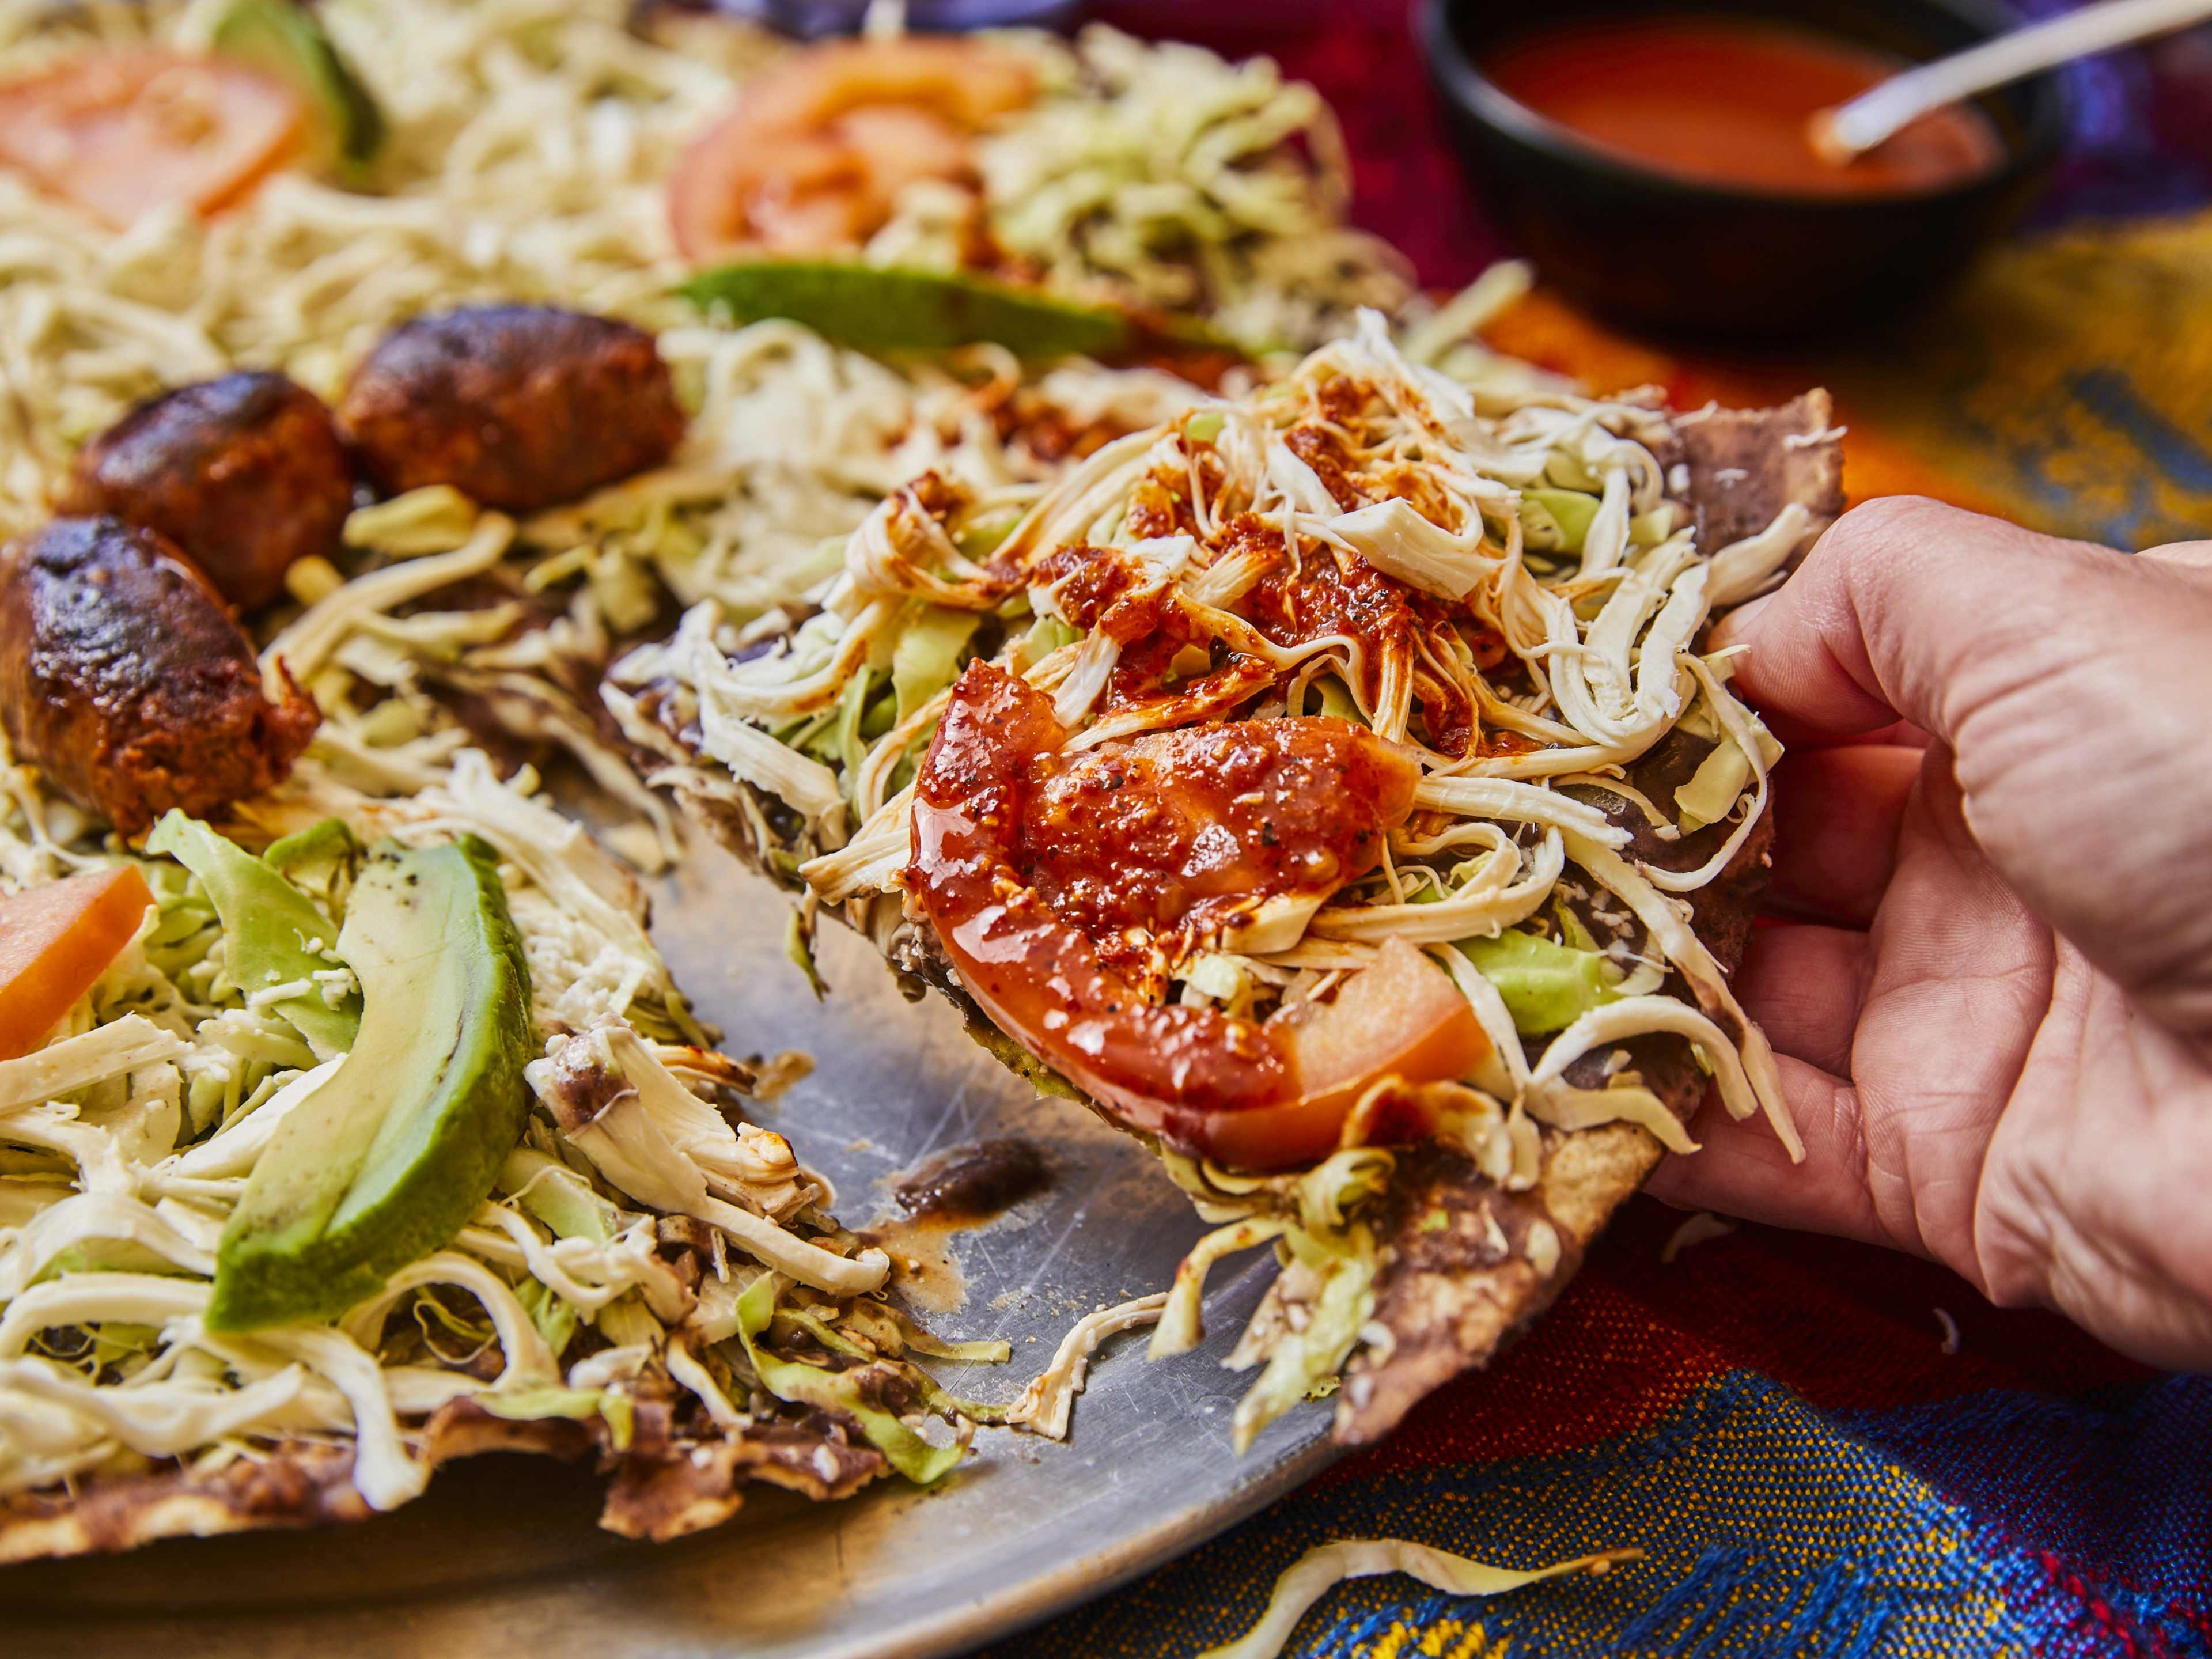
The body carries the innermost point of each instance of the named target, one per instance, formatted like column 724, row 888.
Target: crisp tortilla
column 676, row 1472
column 1451, row 1296
column 1745, row 465
column 672, row 1480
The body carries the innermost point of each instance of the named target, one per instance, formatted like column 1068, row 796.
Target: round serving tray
column 501, row 1555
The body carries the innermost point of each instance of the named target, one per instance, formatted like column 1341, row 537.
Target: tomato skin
column 1250, row 1095
column 713, row 192
column 121, row 134
column 55, row 942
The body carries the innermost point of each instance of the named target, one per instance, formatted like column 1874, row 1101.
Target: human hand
column 1997, row 1037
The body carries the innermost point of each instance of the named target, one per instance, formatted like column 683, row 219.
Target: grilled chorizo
column 518, row 407
column 245, row 473
column 124, row 680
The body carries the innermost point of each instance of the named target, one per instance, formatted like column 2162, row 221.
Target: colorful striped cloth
column 1824, row 1448
column 1776, row 1421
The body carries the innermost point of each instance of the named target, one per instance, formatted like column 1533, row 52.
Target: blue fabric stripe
column 1772, row 1528
column 2099, row 1477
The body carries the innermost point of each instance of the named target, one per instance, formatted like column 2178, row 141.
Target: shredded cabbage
column 1046, row 1405
column 843, row 1391
column 561, row 1276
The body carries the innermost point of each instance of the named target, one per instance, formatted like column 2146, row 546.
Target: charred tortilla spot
column 1745, row 465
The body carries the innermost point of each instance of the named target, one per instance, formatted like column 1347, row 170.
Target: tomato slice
column 814, row 154
column 55, row 942
column 739, row 185
column 991, row 872
column 1402, row 1018
column 121, row 134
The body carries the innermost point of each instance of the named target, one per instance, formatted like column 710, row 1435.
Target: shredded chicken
column 1046, row 1405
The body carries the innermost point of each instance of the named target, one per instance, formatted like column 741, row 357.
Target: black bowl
column 1661, row 253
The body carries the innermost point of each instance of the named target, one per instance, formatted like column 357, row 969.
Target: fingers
column 2100, row 1214
column 1911, row 610
column 1797, row 737
column 1742, row 1171
column 1804, row 986
column 1836, row 817
column 1898, row 1048
column 2068, row 684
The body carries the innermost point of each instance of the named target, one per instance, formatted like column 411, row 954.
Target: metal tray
column 501, row 1555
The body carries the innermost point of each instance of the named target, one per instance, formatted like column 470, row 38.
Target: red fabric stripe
column 1847, row 1326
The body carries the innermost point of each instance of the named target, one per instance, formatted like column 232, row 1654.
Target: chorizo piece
column 124, row 680
column 245, row 473
column 518, row 407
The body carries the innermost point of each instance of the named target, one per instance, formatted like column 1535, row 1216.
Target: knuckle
column 1887, row 519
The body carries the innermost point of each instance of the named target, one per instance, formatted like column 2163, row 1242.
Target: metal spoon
column 1841, row 135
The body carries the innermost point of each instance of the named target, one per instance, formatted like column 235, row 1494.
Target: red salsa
column 1046, row 872
column 1725, row 101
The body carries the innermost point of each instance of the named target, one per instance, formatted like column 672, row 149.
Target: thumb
column 2070, row 683
column 1911, row 610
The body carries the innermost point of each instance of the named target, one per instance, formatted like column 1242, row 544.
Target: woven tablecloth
column 1786, row 1425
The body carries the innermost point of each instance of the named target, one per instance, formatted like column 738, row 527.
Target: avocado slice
column 320, row 859
column 284, row 41
column 273, row 933
column 386, row 1162
column 881, row 308
column 1545, row 986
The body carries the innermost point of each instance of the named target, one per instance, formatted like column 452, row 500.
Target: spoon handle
column 1850, row 129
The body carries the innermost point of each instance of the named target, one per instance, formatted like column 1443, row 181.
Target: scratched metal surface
column 501, row 1557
